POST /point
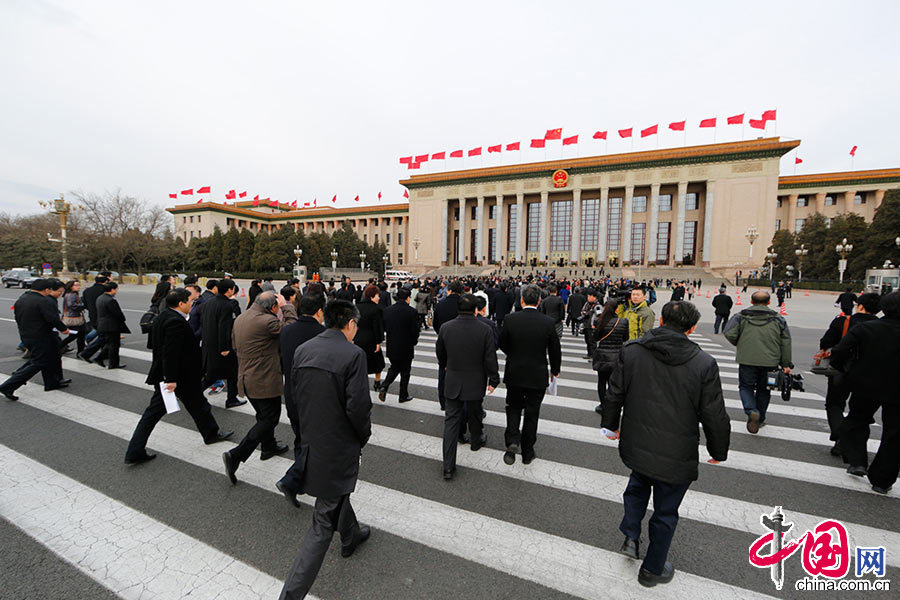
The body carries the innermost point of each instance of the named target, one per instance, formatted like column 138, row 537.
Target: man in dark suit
column 573, row 308
column 307, row 326
column 90, row 296
column 502, row 304
column 465, row 348
column 401, row 324
column 444, row 311
column 528, row 339
column 196, row 318
column 331, row 393
column 219, row 359
column 36, row 316
column 111, row 325
column 554, row 307
column 481, row 313
column 176, row 363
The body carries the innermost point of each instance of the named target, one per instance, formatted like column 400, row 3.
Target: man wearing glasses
column 176, row 364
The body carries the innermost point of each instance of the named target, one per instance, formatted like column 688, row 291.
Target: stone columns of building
column 500, row 224
column 575, row 252
column 479, row 237
column 708, row 221
column 878, row 198
column 848, row 202
column 679, row 221
column 392, row 247
column 652, row 225
column 626, row 224
column 463, row 232
column 445, row 230
column 792, row 211
column 601, row 227
column 520, row 226
column 543, row 252
column 820, row 202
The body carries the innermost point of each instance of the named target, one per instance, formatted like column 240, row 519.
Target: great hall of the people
column 677, row 206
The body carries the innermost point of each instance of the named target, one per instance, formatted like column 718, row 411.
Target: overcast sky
column 302, row 100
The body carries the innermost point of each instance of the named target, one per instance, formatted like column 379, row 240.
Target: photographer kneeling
column 763, row 343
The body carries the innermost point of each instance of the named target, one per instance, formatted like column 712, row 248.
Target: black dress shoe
column 231, row 466
column 364, row 532
column 631, row 548
column 139, row 459
column 117, row 366
column 382, row 394
column 377, row 386
column 56, row 387
column 221, row 436
column 235, row 403
column 273, row 451
column 9, row 395
column 526, row 460
column 598, row 409
column 65, row 349
column 836, row 449
column 448, row 474
column 479, row 443
column 881, row 490
column 289, row 495
column 97, row 361
column 509, row 457
column 858, row 470
column 407, row 399
column 648, row 579
column 86, row 359
column 65, row 381
column 463, row 439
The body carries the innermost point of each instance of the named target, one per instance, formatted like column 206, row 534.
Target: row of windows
column 638, row 205
column 804, row 201
column 185, row 219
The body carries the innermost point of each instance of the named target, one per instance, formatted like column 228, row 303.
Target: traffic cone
column 707, row 293
column 806, row 293
column 243, row 293
column 783, row 311
column 738, row 303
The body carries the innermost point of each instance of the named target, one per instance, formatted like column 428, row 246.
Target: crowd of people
column 316, row 345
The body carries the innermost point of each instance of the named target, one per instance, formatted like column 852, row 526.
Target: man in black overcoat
column 331, row 392
column 444, row 311
column 401, row 324
column 176, row 362
column 219, row 358
column 111, row 325
column 465, row 348
column 196, row 318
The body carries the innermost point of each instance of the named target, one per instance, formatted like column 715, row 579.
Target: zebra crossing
column 546, row 530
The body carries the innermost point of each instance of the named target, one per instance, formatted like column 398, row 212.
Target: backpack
column 148, row 317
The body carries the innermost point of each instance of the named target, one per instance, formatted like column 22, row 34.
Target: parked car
column 22, row 278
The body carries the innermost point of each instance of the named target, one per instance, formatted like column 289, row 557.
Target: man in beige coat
column 256, row 342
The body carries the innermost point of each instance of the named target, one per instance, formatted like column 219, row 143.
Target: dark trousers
column 43, row 356
column 720, row 323
column 855, row 430
column 589, row 339
column 94, row 345
column 754, row 390
column 422, row 322
column 111, row 349
column 519, row 400
column 196, row 405
column 442, row 373
column 573, row 321
column 886, row 465
column 667, row 498
column 602, row 381
column 456, row 412
column 835, row 404
column 268, row 411
column 328, row 515
column 402, row 369
column 78, row 336
column 294, row 475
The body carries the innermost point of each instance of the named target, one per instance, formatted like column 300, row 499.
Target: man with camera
column 763, row 343
column 634, row 309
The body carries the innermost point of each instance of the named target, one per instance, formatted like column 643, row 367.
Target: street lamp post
column 801, row 252
column 62, row 208
column 298, row 252
column 385, row 261
column 752, row 235
column 362, row 261
column 334, row 256
column 416, row 243
column 843, row 249
column 771, row 256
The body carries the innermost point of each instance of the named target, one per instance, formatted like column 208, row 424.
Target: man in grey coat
column 331, row 393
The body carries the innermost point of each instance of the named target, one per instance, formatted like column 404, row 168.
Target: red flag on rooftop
column 769, row 115
column 189, row 192
column 708, row 122
column 304, row 204
column 513, row 146
column 200, row 201
column 406, row 193
column 736, row 119
column 421, row 158
column 173, row 195
column 203, row 190
column 600, row 135
column 570, row 140
column 315, row 201
column 757, row 123
column 438, row 156
column 379, row 196
column 538, row 143
column 649, row 131
column 294, row 204
column 231, row 195
column 853, row 151
column 334, row 198
column 553, row 134
column 406, row 160
column 414, row 165
column 356, row 199
column 624, row 133
column 243, row 194
column 475, row 151
column 797, row 160
column 496, row 148
column 273, row 202
column 456, row 154
column 677, row 126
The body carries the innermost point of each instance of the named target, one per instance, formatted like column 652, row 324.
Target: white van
column 394, row 275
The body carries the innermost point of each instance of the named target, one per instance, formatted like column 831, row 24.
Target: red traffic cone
column 243, row 293
column 806, row 293
column 783, row 310
column 707, row 293
column 738, row 303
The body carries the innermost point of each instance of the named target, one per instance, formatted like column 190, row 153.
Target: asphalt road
column 77, row 523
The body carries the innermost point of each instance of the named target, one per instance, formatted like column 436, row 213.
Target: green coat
column 641, row 318
column 762, row 337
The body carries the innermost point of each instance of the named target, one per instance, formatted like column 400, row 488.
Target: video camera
column 785, row 382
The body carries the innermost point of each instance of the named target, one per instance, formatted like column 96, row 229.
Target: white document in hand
column 169, row 399
column 554, row 386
